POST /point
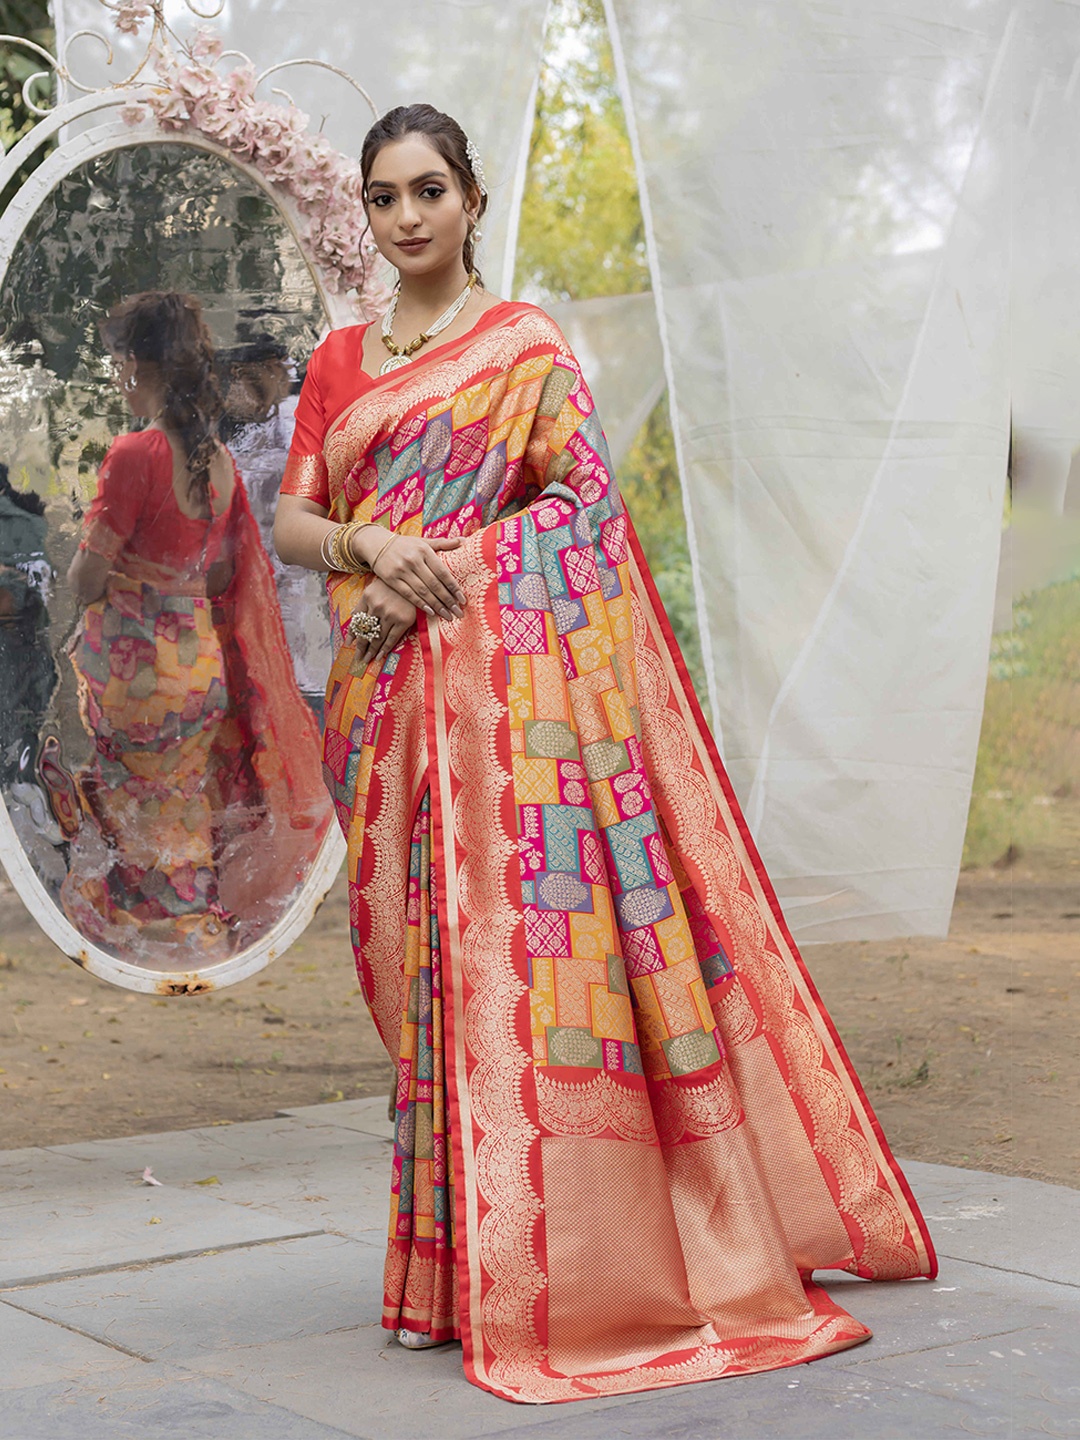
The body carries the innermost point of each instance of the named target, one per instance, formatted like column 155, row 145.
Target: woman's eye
column 432, row 192
column 378, row 201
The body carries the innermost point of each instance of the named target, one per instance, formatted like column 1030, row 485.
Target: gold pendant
column 394, row 363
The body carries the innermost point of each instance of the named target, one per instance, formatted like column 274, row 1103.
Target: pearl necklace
column 403, row 354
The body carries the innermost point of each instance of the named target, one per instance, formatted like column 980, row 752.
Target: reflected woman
column 626, row 1132
column 203, row 791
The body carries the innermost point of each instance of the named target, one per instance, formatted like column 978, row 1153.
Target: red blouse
column 135, row 512
column 334, row 381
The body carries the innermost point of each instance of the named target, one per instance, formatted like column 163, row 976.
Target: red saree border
column 498, row 1197
column 703, row 739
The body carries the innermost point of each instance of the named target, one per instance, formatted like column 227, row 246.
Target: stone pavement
column 238, row 1300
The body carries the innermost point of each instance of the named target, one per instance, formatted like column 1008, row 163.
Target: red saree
column 202, row 806
column 627, row 1132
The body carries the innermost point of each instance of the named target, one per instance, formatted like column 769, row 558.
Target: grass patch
column 1029, row 747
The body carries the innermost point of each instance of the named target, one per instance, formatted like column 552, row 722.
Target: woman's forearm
column 88, row 576
column 300, row 531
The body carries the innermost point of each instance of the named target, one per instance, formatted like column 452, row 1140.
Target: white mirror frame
column 116, row 134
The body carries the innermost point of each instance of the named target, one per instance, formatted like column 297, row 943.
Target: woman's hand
column 396, row 618
column 411, row 567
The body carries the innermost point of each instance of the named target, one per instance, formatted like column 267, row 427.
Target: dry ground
column 968, row 1046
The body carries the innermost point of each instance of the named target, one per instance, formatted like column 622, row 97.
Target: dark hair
column 445, row 135
column 28, row 500
column 167, row 329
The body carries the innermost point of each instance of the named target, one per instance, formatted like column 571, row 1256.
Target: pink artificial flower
column 134, row 113
column 206, row 45
column 241, row 82
column 325, row 185
column 171, row 110
column 222, row 122
column 130, row 15
column 196, row 81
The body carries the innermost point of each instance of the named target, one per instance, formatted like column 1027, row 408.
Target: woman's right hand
column 396, row 618
column 411, row 567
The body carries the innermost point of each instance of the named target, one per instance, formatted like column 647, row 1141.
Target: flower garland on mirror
column 190, row 92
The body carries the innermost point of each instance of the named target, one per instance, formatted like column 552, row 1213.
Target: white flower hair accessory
column 476, row 165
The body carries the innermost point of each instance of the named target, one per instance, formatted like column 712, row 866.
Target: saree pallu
column 627, row 1132
column 203, row 804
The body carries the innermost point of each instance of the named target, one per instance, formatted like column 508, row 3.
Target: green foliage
column 581, row 231
column 30, row 19
column 649, row 481
column 1029, row 749
column 581, row 235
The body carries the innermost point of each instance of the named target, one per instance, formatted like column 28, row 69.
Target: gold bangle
column 333, row 549
column 378, row 557
column 338, row 551
column 359, row 567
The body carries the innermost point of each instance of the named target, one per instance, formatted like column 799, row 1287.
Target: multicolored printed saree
column 626, row 1130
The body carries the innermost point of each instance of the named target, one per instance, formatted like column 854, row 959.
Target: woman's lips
column 411, row 244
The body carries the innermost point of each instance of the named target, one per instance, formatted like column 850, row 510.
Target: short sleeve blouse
column 135, row 510
column 333, row 381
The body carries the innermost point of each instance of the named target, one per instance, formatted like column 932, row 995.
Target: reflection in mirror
column 162, row 673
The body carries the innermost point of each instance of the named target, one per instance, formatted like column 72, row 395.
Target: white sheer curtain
column 478, row 61
column 826, row 196
column 617, row 340
column 1043, row 543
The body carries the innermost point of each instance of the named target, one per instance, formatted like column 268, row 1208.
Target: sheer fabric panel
column 827, row 195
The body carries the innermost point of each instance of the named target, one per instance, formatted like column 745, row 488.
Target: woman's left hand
column 396, row 617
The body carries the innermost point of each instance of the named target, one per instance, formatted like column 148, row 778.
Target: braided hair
column 166, row 328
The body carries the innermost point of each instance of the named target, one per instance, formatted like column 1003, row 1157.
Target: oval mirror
column 163, row 813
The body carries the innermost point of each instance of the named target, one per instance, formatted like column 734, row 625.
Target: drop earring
column 130, row 385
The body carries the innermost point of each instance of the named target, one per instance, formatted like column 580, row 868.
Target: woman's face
column 416, row 209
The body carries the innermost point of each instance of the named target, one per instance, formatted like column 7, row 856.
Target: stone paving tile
column 974, row 1215
column 312, row 1175
column 25, row 1174
column 243, row 1298
column 96, row 1230
column 152, row 1402
column 965, row 1301
column 258, row 1142
column 1023, row 1382
column 367, row 1115
column 363, row 1382
column 821, row 1401
column 36, row 1352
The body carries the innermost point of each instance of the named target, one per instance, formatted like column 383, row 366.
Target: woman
column 204, row 791
column 626, row 1131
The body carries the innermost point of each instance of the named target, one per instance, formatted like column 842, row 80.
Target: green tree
column 581, row 235
column 581, row 231
column 30, row 19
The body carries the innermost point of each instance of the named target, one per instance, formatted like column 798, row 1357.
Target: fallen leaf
column 154, row 1220
column 210, row 1180
column 148, row 1177
column 79, row 1000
